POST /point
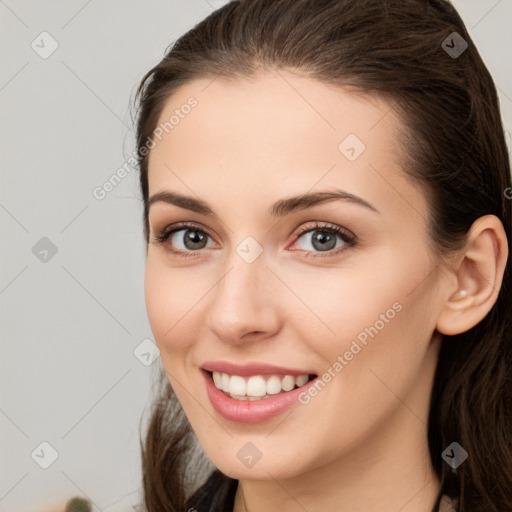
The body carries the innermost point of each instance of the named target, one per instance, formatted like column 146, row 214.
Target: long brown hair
column 453, row 145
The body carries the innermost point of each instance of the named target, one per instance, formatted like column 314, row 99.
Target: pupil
column 195, row 238
column 324, row 240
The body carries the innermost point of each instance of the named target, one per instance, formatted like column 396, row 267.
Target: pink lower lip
column 246, row 411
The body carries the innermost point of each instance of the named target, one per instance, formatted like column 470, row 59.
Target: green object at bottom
column 78, row 505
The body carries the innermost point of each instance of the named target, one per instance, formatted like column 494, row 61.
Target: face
column 345, row 289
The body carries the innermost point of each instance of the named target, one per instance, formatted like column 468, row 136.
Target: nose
column 244, row 303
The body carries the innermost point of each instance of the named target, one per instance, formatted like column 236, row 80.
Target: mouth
column 257, row 387
column 258, row 397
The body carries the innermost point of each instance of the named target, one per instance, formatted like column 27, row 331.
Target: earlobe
column 479, row 274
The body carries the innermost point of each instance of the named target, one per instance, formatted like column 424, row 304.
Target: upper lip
column 255, row 368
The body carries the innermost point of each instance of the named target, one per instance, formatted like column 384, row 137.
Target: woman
column 374, row 376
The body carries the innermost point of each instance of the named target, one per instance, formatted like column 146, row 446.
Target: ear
column 478, row 275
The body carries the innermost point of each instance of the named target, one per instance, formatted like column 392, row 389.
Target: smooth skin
column 360, row 445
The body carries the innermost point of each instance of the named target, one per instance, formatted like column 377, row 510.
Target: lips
column 255, row 368
column 250, row 412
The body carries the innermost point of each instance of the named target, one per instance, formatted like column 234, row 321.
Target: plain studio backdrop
column 76, row 343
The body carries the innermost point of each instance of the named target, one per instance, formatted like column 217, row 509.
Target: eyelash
column 349, row 239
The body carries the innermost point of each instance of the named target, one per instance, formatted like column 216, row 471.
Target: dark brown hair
column 453, row 144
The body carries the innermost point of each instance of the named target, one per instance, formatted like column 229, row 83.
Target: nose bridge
column 240, row 302
column 245, row 272
column 241, row 286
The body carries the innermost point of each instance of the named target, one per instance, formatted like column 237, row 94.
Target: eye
column 185, row 239
column 188, row 239
column 324, row 238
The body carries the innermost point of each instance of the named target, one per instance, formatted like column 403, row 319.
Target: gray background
column 72, row 366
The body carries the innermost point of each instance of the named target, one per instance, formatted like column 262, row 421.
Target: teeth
column 256, row 387
column 238, row 386
column 288, row 383
column 224, row 382
column 301, row 380
column 217, row 379
column 274, row 385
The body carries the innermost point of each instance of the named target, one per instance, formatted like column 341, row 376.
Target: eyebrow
column 279, row 208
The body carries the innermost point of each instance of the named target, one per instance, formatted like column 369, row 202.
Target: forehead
column 278, row 131
column 287, row 112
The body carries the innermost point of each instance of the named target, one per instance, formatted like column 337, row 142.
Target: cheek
column 170, row 311
column 336, row 306
column 378, row 324
column 170, row 302
column 377, row 366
